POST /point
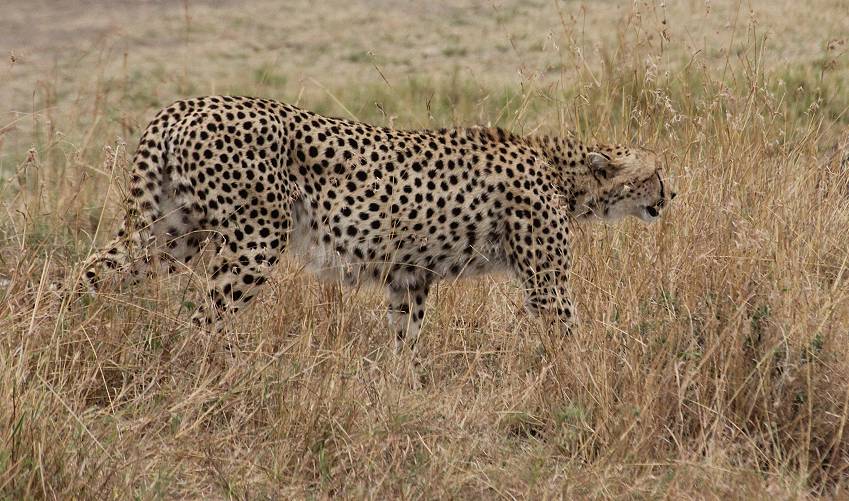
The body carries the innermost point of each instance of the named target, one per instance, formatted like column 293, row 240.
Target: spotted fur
column 356, row 203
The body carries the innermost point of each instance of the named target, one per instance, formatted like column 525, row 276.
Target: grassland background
column 712, row 361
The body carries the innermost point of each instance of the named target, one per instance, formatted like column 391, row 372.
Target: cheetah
column 359, row 203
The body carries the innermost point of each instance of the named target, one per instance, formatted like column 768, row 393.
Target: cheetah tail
column 128, row 252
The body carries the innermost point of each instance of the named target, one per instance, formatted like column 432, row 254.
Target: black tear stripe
column 662, row 196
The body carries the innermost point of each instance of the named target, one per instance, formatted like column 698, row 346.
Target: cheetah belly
column 319, row 258
column 325, row 261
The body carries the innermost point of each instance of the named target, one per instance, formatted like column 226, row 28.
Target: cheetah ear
column 600, row 165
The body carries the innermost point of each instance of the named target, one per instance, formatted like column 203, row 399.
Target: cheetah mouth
column 650, row 213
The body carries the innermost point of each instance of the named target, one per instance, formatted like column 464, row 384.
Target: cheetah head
column 629, row 182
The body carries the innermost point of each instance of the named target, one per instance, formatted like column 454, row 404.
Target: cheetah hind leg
column 179, row 234
column 235, row 275
column 406, row 314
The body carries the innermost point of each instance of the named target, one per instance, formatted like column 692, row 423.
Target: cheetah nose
column 673, row 195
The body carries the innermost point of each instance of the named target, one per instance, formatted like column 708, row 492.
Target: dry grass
column 713, row 360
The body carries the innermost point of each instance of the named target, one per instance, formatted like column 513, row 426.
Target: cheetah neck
column 567, row 157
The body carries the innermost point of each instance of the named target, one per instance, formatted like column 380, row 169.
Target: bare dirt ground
column 335, row 42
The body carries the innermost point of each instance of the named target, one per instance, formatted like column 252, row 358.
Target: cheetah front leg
column 544, row 272
column 547, row 295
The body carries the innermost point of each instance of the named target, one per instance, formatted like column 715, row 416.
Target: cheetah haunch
column 356, row 202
